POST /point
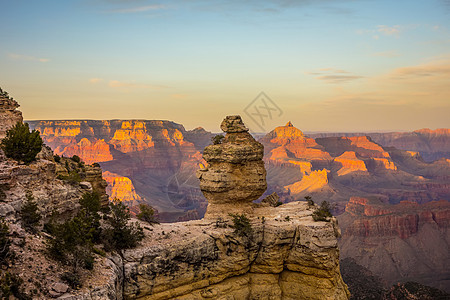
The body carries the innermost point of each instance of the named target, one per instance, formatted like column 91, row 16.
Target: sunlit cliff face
column 120, row 187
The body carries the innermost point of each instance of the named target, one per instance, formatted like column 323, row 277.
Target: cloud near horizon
column 17, row 56
column 95, row 80
column 433, row 69
column 331, row 75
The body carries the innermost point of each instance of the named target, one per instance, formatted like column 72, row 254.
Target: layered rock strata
column 235, row 175
column 407, row 241
column 9, row 114
column 287, row 256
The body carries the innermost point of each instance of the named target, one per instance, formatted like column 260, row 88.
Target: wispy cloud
column 137, row 9
column 389, row 30
column 16, row 56
column 385, row 30
column 132, row 85
column 433, row 69
column 391, row 53
column 95, row 80
column 332, row 75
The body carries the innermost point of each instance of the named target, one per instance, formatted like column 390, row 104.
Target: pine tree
column 30, row 214
column 21, row 144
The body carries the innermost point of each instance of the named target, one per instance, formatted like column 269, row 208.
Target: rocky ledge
column 287, row 256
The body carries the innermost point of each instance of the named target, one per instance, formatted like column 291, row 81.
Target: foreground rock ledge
column 289, row 256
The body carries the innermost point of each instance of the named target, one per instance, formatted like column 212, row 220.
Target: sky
column 325, row 65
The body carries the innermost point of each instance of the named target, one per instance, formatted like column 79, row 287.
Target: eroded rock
column 235, row 175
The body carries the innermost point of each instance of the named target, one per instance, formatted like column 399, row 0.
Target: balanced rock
column 235, row 175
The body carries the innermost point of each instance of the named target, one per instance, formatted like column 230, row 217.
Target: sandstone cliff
column 9, row 114
column 288, row 256
column 399, row 242
column 158, row 157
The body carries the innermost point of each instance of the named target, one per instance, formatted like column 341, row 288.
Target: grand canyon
column 391, row 203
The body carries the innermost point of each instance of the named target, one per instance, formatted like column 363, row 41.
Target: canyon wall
column 431, row 144
column 144, row 161
column 402, row 242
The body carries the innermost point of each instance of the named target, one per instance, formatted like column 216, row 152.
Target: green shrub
column 72, row 279
column 217, row 139
column 118, row 234
column 310, row 201
column 72, row 241
column 91, row 202
column 20, row 144
column 241, row 225
column 10, row 285
column 91, row 205
column 76, row 158
column 5, row 241
column 322, row 213
column 57, row 158
column 30, row 214
column 73, row 177
column 146, row 214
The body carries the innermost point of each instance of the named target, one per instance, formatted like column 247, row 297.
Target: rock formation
column 407, row 241
column 235, row 175
column 288, row 256
column 152, row 154
column 285, row 255
column 9, row 114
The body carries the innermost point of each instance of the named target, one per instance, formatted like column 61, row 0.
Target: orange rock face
column 309, row 183
column 120, row 187
column 90, row 152
column 350, row 163
column 290, row 141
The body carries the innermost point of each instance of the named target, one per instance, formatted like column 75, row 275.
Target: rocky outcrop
column 9, row 114
column 41, row 178
column 235, row 175
column 287, row 256
column 407, row 241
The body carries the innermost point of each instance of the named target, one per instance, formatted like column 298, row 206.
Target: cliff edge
column 284, row 255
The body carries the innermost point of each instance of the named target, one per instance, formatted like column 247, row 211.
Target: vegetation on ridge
column 241, row 225
column 20, row 144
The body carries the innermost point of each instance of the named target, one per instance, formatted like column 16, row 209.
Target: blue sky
column 328, row 65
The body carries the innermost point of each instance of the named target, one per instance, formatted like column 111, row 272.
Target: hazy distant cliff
column 431, row 144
